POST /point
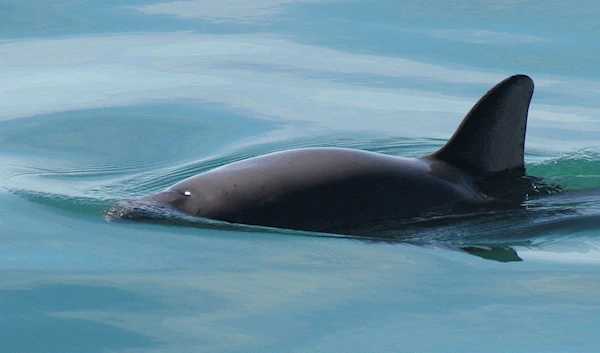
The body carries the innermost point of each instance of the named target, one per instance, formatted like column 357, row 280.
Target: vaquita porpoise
column 334, row 190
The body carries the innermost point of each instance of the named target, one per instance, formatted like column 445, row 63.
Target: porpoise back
column 335, row 190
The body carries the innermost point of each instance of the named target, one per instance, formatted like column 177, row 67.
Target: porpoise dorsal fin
column 491, row 137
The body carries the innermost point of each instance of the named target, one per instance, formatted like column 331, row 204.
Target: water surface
column 101, row 101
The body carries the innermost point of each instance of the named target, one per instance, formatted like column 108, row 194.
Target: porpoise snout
column 155, row 206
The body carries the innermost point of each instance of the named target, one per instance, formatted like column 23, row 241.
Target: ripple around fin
column 574, row 170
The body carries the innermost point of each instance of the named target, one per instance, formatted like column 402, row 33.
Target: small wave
column 574, row 170
column 74, row 204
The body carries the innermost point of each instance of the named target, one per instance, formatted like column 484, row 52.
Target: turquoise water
column 101, row 100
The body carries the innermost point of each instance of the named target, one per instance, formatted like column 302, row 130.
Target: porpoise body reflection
column 335, row 190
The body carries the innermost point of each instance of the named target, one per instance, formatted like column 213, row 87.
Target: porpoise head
column 161, row 205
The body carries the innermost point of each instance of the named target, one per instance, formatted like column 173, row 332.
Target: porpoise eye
column 187, row 193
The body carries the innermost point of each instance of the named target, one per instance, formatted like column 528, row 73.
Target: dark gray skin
column 334, row 189
column 319, row 189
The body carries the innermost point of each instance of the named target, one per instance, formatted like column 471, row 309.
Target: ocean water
column 105, row 100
